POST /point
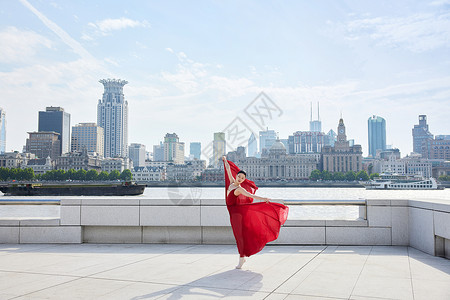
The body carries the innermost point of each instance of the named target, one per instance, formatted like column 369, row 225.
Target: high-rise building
column 2, row 131
column 112, row 115
column 342, row 157
column 219, row 148
column 57, row 120
column 438, row 148
column 88, row 137
column 332, row 137
column 315, row 125
column 252, row 146
column 266, row 139
column 308, row 142
column 377, row 134
column 137, row 154
column 44, row 144
column 158, row 152
column 420, row 134
column 173, row 149
column 195, row 149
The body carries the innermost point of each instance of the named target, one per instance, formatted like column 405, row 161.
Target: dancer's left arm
column 227, row 166
column 245, row 193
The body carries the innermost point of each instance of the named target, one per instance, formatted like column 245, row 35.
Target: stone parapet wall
column 424, row 225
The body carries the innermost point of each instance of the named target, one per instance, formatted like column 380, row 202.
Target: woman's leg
column 241, row 262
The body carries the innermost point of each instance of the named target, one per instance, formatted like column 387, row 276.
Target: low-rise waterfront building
column 411, row 165
column 157, row 164
column 278, row 165
column 415, row 165
column 189, row 171
column 443, row 169
column 392, row 165
column 147, row 174
column 213, row 174
column 40, row 165
column 117, row 163
column 78, row 161
column 15, row 159
column 385, row 154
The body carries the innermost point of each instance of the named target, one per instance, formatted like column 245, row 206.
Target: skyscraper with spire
column 112, row 115
column 315, row 125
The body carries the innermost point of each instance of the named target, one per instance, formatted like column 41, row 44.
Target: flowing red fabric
column 254, row 224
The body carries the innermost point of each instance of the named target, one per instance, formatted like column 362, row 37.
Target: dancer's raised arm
column 227, row 166
column 242, row 191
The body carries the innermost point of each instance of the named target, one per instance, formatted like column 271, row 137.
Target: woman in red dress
column 254, row 224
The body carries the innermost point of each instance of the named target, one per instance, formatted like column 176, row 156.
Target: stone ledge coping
column 37, row 222
column 177, row 202
column 326, row 223
column 34, row 222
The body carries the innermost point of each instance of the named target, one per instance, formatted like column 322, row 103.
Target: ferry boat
column 388, row 181
column 73, row 189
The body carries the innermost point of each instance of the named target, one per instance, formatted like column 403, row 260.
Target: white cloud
column 440, row 3
column 108, row 25
column 64, row 36
column 20, row 46
column 111, row 61
column 417, row 33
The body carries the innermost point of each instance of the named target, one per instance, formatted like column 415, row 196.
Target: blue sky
column 193, row 67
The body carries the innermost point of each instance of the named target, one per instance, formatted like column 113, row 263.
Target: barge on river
column 73, row 189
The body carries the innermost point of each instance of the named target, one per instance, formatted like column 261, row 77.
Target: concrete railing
column 423, row 225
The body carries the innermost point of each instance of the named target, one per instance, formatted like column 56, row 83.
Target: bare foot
column 241, row 262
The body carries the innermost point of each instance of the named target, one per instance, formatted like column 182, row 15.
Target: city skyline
column 358, row 59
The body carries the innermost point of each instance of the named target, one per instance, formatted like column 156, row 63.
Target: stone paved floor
column 100, row 271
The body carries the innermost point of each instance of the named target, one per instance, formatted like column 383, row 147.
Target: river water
column 280, row 193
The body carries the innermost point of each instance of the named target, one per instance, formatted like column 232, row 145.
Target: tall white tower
column 112, row 115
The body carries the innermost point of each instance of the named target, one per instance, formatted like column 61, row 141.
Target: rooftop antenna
column 318, row 114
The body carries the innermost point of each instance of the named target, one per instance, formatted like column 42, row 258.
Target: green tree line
column 444, row 178
column 339, row 176
column 7, row 174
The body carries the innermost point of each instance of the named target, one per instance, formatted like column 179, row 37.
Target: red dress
column 254, row 224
